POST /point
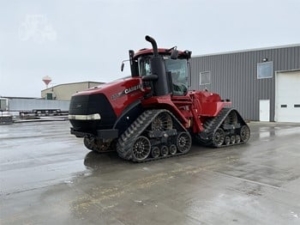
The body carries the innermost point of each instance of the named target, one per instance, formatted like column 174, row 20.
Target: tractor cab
column 166, row 70
column 176, row 72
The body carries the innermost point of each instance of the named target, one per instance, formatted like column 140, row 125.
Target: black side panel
column 129, row 115
column 91, row 104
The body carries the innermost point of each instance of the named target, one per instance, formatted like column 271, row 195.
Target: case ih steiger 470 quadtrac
column 152, row 115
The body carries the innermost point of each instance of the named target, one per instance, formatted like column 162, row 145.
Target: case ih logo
column 127, row 91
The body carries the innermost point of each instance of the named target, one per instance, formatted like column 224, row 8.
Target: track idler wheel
column 219, row 138
column 141, row 149
column 184, row 142
column 245, row 133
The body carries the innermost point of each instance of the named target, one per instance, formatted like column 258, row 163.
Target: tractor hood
column 119, row 93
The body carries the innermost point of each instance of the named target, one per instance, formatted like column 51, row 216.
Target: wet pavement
column 48, row 177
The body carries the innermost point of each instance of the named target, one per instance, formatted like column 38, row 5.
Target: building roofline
column 249, row 50
column 80, row 82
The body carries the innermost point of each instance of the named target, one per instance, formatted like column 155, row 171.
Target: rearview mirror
column 122, row 66
column 152, row 77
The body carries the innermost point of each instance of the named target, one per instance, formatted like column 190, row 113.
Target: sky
column 86, row 40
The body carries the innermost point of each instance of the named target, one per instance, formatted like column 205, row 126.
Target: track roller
column 172, row 149
column 227, row 140
column 232, row 139
column 164, row 151
column 155, row 152
column 237, row 139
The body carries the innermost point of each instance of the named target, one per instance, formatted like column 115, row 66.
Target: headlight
column 95, row 116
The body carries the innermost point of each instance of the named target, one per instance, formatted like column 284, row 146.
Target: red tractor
column 152, row 114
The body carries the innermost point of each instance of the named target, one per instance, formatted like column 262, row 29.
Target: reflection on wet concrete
column 50, row 178
column 267, row 132
column 97, row 161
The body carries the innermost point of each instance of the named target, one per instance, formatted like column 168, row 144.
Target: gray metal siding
column 30, row 104
column 234, row 76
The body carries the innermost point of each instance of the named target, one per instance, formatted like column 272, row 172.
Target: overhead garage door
column 287, row 107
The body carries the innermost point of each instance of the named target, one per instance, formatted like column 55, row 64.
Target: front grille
column 91, row 104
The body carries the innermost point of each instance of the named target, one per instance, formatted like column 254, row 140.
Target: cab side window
column 178, row 70
column 144, row 66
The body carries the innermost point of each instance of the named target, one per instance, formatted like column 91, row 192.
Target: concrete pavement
column 48, row 177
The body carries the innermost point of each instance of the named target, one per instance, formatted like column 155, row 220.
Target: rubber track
column 212, row 127
column 128, row 138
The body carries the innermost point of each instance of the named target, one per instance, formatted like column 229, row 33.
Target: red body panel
column 120, row 93
column 210, row 103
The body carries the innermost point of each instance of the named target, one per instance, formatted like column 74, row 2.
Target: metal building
column 263, row 84
column 65, row 91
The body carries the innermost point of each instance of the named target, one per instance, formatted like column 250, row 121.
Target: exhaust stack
column 154, row 45
column 158, row 68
